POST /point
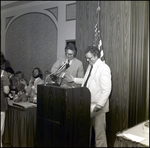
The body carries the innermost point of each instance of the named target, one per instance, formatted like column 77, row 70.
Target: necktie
column 67, row 65
column 88, row 76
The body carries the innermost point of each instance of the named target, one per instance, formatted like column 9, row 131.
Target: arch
column 49, row 14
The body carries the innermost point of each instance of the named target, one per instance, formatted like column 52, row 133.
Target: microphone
column 61, row 68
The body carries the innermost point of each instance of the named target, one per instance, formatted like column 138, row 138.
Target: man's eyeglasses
column 69, row 54
column 89, row 58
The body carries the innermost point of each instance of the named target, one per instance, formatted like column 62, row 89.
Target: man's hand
column 69, row 77
column 97, row 108
column 22, row 81
column 53, row 77
column 31, row 81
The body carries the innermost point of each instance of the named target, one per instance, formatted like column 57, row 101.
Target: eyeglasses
column 69, row 54
column 89, row 58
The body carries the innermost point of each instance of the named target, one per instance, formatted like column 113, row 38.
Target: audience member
column 12, row 80
column 19, row 76
column 31, row 89
column 20, row 95
column 70, row 64
column 99, row 83
column 4, row 90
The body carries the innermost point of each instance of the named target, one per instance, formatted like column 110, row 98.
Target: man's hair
column 9, row 69
column 20, row 72
column 2, row 58
column 72, row 47
column 94, row 50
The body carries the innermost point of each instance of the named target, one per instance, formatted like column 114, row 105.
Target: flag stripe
column 97, row 38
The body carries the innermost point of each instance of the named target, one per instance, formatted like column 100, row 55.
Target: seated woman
column 20, row 95
column 19, row 76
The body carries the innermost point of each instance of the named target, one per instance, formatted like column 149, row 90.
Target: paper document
column 134, row 138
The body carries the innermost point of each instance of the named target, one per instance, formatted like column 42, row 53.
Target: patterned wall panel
column 54, row 11
column 31, row 41
column 8, row 20
column 70, row 12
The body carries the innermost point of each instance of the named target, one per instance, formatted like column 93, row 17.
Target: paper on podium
column 25, row 105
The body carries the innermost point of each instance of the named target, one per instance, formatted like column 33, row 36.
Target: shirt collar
column 37, row 79
column 70, row 61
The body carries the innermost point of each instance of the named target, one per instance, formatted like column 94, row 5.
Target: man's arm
column 6, row 89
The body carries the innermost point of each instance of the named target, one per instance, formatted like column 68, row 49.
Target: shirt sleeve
column 5, row 79
column 56, row 65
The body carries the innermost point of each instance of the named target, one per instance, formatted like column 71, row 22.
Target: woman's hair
column 40, row 72
column 10, row 70
column 94, row 50
column 72, row 47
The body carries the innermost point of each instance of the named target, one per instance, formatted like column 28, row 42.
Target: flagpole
column 98, row 26
column 98, row 9
column 100, row 41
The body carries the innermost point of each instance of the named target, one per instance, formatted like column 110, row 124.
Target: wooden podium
column 63, row 116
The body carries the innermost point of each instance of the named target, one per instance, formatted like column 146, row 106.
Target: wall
column 35, row 33
column 122, row 24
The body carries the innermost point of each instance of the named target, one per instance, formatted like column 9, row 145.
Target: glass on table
column 145, row 129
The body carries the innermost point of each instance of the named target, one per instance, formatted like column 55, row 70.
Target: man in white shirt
column 99, row 83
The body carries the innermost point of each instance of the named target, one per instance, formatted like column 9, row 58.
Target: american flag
column 97, row 37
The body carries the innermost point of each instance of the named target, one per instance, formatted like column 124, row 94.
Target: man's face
column 35, row 73
column 90, row 58
column 20, row 75
column 69, row 54
column 17, row 77
column 9, row 74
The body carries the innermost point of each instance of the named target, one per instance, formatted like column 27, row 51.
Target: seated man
column 70, row 64
column 31, row 89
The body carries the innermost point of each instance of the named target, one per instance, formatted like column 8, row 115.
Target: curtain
column 138, row 95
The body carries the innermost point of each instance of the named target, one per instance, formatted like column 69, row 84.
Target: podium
column 63, row 116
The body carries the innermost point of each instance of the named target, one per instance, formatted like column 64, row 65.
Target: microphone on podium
column 58, row 71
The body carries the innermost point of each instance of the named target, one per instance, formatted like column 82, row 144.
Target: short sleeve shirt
column 4, row 82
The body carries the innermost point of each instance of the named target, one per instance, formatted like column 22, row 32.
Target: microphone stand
column 56, row 72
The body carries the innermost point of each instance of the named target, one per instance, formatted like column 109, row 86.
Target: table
column 123, row 141
column 20, row 126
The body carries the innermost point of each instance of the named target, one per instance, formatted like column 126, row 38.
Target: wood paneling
column 115, row 32
column 64, row 115
column 85, row 22
column 115, row 26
